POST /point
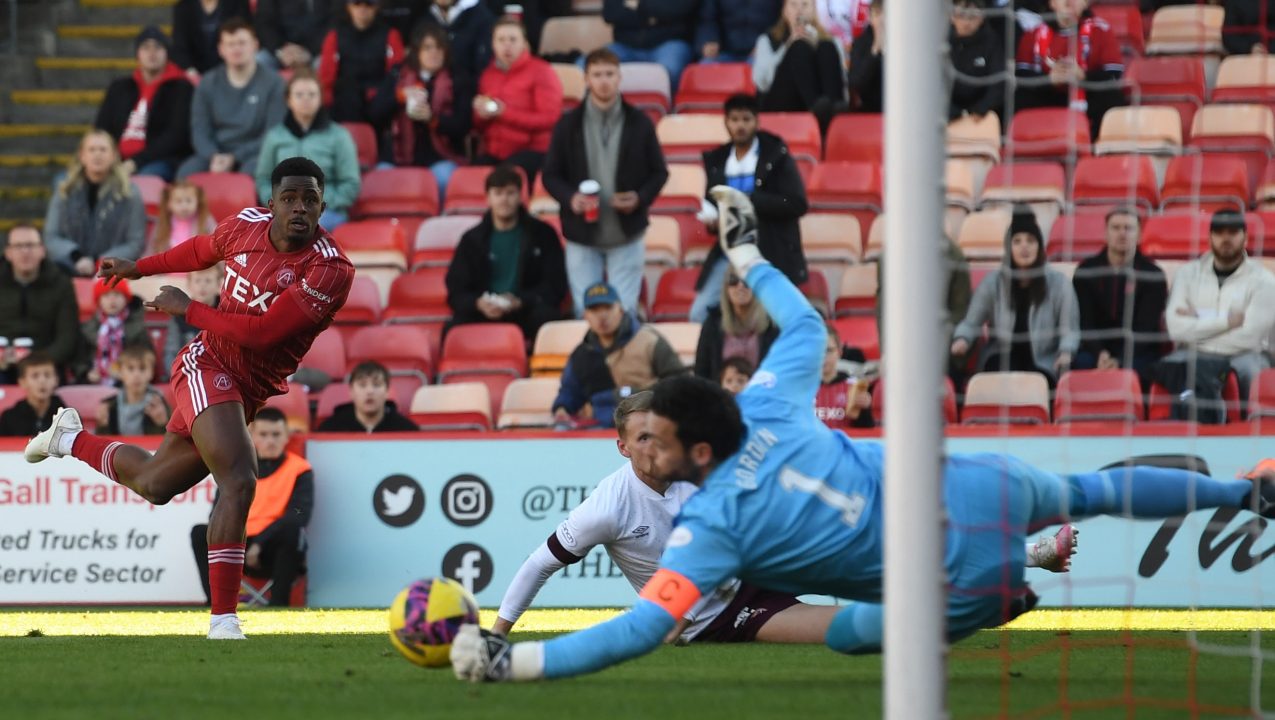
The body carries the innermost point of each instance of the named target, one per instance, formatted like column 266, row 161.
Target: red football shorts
column 199, row 382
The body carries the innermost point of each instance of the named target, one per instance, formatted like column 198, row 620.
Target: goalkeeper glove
column 478, row 655
column 737, row 227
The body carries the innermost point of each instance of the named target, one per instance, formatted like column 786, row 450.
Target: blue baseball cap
column 600, row 294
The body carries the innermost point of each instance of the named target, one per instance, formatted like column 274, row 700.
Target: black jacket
column 360, row 69
column 344, row 419
column 779, row 198
column 167, row 123
column 21, row 420
column 867, row 73
column 195, row 34
column 1102, row 292
column 733, row 24
column 653, row 23
column 1242, row 28
column 982, row 55
column 542, row 272
column 708, row 354
column 470, row 38
column 303, row 22
column 45, row 311
column 641, row 168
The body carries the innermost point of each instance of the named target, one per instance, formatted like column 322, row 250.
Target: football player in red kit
column 285, row 279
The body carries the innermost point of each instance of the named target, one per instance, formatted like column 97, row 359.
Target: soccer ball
column 426, row 616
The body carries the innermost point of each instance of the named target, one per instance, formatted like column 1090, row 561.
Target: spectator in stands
column 978, row 57
column 1029, row 308
column 38, row 378
column 138, row 408
column 508, row 268
column 95, row 211
column 1249, row 27
column 612, row 143
column 737, row 328
column 618, row 357
column 1220, row 314
column 735, row 374
column 195, row 25
column 309, row 131
column 867, row 63
column 427, row 108
column 728, row 29
column 519, row 101
column 118, row 322
column 798, row 67
column 1122, row 295
column 183, row 214
column 843, row 400
column 279, row 513
column 658, row 31
column 468, row 25
column 1050, row 76
column 370, row 410
column 148, row 113
column 292, row 31
column 38, row 310
column 844, row 20
column 758, row 163
column 203, row 286
column 235, row 104
column 357, row 55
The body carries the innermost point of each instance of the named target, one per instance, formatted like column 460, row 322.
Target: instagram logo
column 466, row 500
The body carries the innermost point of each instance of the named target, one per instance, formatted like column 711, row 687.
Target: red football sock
column 225, row 571
column 97, row 452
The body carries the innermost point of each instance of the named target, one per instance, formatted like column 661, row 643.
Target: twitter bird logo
column 398, row 501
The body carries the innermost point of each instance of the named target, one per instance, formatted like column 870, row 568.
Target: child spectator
column 204, row 286
column 38, row 378
column 138, row 408
column 736, row 372
column 843, row 400
column 118, row 322
column 183, row 214
column 369, row 409
column 357, row 54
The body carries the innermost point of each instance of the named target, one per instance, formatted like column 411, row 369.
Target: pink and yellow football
column 425, row 617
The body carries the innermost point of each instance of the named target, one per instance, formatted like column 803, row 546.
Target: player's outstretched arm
column 532, row 576
column 196, row 253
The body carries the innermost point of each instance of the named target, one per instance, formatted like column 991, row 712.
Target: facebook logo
column 470, row 565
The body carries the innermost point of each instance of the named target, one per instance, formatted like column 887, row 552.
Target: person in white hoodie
column 1223, row 304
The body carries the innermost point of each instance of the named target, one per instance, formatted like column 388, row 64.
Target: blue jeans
column 709, row 296
column 442, row 170
column 159, row 168
column 621, row 266
column 728, row 57
column 674, row 55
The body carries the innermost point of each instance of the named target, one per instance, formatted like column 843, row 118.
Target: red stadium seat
column 1160, row 402
column 853, row 187
column 84, row 296
column 1116, row 179
column 1181, row 235
column 645, row 86
column 152, row 190
column 1025, row 182
column 1077, row 235
column 674, row 294
column 684, row 138
column 1261, row 233
column 85, row 399
column 815, row 288
column 1241, row 131
column 437, row 238
column 1048, row 133
column 706, row 87
column 419, row 296
column 227, row 193
column 949, row 401
column 856, row 136
column 327, row 354
column 376, row 234
column 295, row 405
column 1178, row 82
column 860, row 331
column 363, row 306
column 1207, row 181
column 1126, row 25
column 1112, row 395
column 403, row 349
column 1018, row 398
column 800, row 132
column 10, row 395
column 1261, row 396
column 467, row 190
column 482, row 349
column 397, row 192
column 364, row 141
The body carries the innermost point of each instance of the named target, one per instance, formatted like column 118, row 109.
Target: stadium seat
column 397, row 192
column 800, row 132
column 857, row 294
column 362, row 306
column 528, row 403
column 663, row 242
column 960, row 196
column 949, row 401
column 1177, row 82
column 860, row 331
column 1181, row 235
column 1126, row 25
column 1206, row 182
column 554, row 343
column 541, row 203
column 419, row 297
column 152, row 189
column 1242, row 131
column 1160, row 401
column 704, row 88
column 1076, row 236
column 1261, row 397
column 847, row 186
column 1018, row 398
column 1115, row 180
column 975, row 142
column 457, row 406
column 86, row 399
column 674, row 295
column 1042, row 185
column 148, row 287
column 578, row 33
column 683, row 192
column 1261, row 233
column 816, row 290
column 683, row 336
column 1186, row 30
column 572, row 80
column 437, row 238
column 295, row 406
column 378, row 234
column 855, row 136
column 467, row 190
column 483, row 349
column 402, row 349
column 364, row 142
column 327, row 355
column 1246, row 79
column 227, row 193
column 685, row 137
column 645, row 86
column 1048, row 134
column 831, row 238
column 11, row 395
column 983, row 234
column 1151, row 130
column 875, row 245
column 402, row 388
column 1108, row 395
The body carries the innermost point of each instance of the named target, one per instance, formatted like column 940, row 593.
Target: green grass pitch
column 330, row 664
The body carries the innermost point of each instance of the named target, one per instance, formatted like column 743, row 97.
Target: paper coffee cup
column 592, row 188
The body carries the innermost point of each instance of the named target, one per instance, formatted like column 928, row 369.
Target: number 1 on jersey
column 850, row 506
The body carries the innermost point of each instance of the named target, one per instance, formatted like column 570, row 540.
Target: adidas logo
column 242, row 259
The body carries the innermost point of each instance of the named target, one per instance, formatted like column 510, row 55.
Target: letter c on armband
column 671, row 591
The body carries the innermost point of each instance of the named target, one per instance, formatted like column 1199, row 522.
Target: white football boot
column 44, row 445
column 1054, row 553
column 225, row 627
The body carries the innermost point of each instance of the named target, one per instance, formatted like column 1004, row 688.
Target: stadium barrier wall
column 473, row 507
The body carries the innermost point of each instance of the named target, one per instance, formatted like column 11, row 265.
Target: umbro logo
column 641, row 531
column 241, row 259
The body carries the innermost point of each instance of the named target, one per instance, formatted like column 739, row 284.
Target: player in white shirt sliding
column 631, row 515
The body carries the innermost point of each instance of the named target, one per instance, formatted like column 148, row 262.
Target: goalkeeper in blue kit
column 790, row 505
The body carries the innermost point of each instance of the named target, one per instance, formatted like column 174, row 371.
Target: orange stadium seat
column 831, row 238
column 860, row 331
column 875, row 245
column 1076, row 236
column 857, row 294
column 227, row 193
column 1207, row 181
column 949, row 401
column 437, row 238
column 960, row 196
column 1018, row 398
column 1034, row 183
column 1126, row 25
column 467, row 190
column 685, row 137
column 572, row 80
column 645, row 86
column 704, row 88
column 152, row 190
column 528, row 403
column 1150, row 129
column 683, row 191
column 397, row 192
column 856, row 136
column 579, row 33
column 554, row 343
column 1177, row 82
column 457, row 406
column 1048, row 133
column 1109, row 395
column 976, row 143
column 1186, row 30
column 683, row 337
column 1115, row 180
column 295, row 406
column 1242, row 131
column 402, row 349
column 983, row 234
column 800, row 132
column 674, row 294
column 663, row 242
column 86, row 399
column 364, row 142
column 327, row 354
column 1182, row 235
column 1246, row 79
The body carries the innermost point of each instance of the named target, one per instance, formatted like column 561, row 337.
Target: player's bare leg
column 800, row 623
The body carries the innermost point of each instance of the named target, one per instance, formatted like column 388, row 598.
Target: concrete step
column 73, row 72
column 139, row 12
column 99, row 40
column 25, row 200
column 7, row 222
column 40, row 139
column 58, row 107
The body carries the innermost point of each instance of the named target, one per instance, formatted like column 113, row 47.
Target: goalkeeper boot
column 1263, row 479
column 1054, row 553
column 736, row 227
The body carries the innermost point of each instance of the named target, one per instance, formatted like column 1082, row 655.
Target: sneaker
column 46, row 443
column 1263, row 479
column 226, row 628
column 1054, row 553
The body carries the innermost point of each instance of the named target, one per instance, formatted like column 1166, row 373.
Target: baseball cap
column 600, row 294
column 1227, row 220
column 100, row 288
column 151, row 32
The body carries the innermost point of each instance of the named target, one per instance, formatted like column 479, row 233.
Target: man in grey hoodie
column 235, row 104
